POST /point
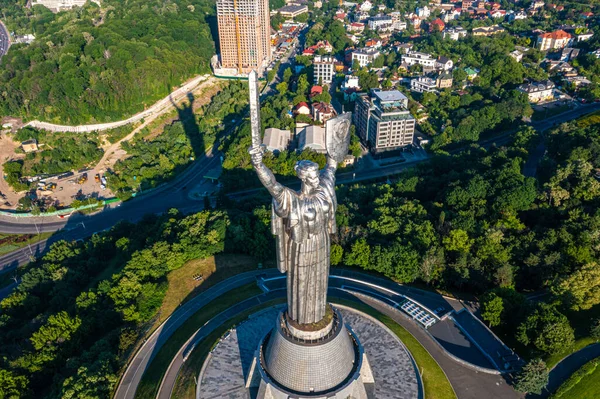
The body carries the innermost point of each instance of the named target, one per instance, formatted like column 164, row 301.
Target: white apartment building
column 365, row 56
column 423, row 12
column 423, row 84
column 415, row 57
column 455, row 33
column 350, row 82
column 380, row 22
column 324, row 69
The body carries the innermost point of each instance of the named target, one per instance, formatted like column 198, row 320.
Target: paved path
column 567, row 367
column 158, row 108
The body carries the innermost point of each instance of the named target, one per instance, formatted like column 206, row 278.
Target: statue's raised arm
column 303, row 221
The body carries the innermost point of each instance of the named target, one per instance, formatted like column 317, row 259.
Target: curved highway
column 469, row 384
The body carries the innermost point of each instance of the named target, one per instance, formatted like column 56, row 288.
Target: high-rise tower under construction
column 244, row 34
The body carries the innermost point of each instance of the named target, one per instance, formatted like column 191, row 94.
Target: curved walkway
column 567, row 367
column 158, row 108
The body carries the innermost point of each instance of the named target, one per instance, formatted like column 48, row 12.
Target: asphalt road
column 4, row 40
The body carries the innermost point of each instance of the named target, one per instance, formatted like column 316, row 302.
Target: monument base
column 328, row 363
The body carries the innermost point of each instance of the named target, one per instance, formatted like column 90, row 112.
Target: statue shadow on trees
column 187, row 118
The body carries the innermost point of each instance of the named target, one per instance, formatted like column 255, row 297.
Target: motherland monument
column 310, row 352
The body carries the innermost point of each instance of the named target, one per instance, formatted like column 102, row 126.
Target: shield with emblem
column 337, row 136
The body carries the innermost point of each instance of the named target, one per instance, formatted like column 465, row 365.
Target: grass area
column 548, row 112
column 185, row 386
column 12, row 242
column 183, row 287
column 435, row 382
column 152, row 378
column 590, row 119
column 554, row 359
column 583, row 384
column 581, row 322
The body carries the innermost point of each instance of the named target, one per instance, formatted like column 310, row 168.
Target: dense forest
column 66, row 331
column 91, row 64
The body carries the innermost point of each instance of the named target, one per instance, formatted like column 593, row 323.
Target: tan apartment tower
column 244, row 34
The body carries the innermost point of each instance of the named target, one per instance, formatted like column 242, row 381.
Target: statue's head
column 308, row 172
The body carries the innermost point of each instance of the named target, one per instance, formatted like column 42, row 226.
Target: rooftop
column 389, row 96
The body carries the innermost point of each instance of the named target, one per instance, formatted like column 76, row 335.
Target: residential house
column 316, row 90
column 415, row 57
column 423, row 12
column 569, row 53
column 455, row 33
column 340, row 16
column 577, row 81
column 423, row 84
column 444, row 80
column 584, row 36
column 517, row 55
column 276, row 140
column 350, row 82
column 554, row 40
column 30, row 145
column 302, row 109
column 497, row 14
column 383, row 121
column 366, row 6
column 322, row 111
column 538, row 91
column 472, row 73
column 311, row 137
column 381, row 23
column 373, row 43
column 488, row 30
column 404, row 48
column 444, row 63
column 356, row 27
column 437, row 25
column 515, row 16
column 365, row 56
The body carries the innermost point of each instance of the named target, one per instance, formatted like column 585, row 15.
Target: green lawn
column 153, row 376
column 582, row 384
column 12, row 242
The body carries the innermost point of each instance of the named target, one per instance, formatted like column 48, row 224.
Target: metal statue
column 302, row 221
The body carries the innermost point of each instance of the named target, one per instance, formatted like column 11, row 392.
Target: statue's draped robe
column 302, row 225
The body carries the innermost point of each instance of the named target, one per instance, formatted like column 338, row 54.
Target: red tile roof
column 556, row 35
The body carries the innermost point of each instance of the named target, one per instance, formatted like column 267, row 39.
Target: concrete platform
column 225, row 370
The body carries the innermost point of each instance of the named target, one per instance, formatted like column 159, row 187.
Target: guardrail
column 65, row 211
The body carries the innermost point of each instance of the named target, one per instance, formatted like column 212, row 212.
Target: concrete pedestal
column 289, row 364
